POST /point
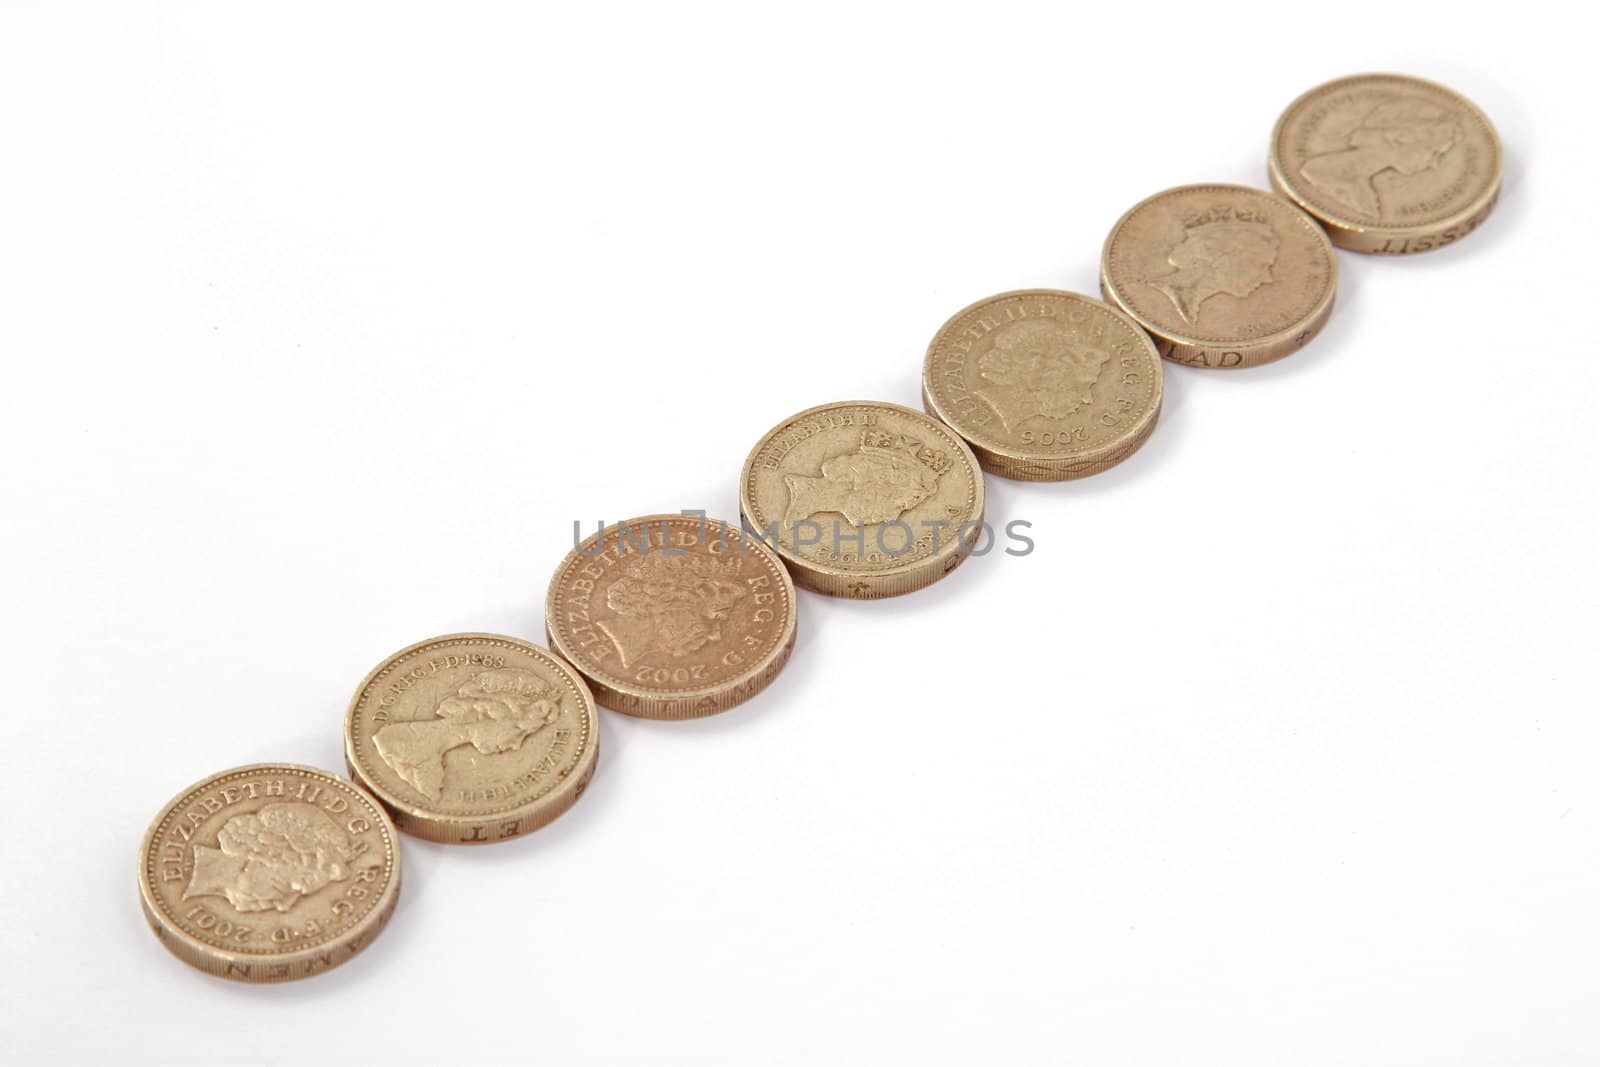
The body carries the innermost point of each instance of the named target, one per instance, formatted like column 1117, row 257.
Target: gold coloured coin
column 473, row 738
column 1388, row 163
column 269, row 872
column 864, row 499
column 672, row 616
column 1221, row 275
column 1044, row 385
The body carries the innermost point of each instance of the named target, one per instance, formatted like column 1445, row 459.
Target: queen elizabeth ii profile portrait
column 1038, row 368
column 1407, row 135
column 880, row 479
column 669, row 605
column 495, row 712
column 269, row 859
column 1232, row 254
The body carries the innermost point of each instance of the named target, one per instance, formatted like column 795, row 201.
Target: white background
column 322, row 322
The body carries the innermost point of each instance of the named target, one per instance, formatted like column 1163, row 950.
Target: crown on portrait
column 1222, row 213
column 899, row 447
column 665, row 565
column 509, row 680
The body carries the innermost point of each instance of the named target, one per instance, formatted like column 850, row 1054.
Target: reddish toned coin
column 672, row 616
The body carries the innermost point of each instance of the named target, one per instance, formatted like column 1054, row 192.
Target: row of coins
column 278, row 871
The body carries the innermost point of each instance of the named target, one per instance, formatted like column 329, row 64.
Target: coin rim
column 879, row 584
column 1317, row 317
column 654, row 702
column 1344, row 228
column 218, row 962
column 1029, row 466
column 437, row 826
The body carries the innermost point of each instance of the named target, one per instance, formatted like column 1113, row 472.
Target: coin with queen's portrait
column 864, row 499
column 672, row 616
column 1388, row 163
column 1221, row 275
column 473, row 738
column 269, row 872
column 1044, row 385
